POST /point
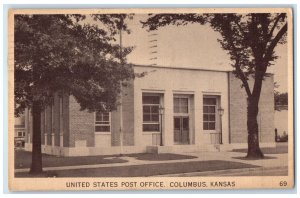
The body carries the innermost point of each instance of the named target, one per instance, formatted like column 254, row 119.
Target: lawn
column 146, row 169
column 23, row 160
column 279, row 149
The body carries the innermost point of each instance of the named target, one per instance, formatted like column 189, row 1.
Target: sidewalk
column 230, row 160
column 259, row 171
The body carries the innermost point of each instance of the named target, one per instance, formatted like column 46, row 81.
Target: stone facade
column 238, row 110
column 81, row 126
column 68, row 131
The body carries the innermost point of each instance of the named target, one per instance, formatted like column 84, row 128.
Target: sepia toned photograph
column 129, row 99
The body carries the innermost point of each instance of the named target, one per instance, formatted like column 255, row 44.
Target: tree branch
column 274, row 42
column 240, row 28
column 243, row 78
column 282, row 15
column 238, row 69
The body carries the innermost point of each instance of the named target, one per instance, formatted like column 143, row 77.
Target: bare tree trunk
column 252, row 125
column 36, row 163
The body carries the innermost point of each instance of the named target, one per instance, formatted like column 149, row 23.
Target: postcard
column 159, row 99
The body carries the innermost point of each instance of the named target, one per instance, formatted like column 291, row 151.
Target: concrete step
column 183, row 148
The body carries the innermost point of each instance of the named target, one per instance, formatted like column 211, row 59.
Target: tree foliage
column 65, row 54
column 280, row 99
column 75, row 54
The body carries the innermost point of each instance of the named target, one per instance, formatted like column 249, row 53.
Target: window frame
column 109, row 123
column 215, row 113
column 159, row 117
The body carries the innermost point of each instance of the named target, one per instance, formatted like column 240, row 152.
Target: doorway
column 181, row 130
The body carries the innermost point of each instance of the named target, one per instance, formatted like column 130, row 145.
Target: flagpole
column 121, row 98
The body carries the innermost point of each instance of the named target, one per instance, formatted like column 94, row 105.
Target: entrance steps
column 184, row 148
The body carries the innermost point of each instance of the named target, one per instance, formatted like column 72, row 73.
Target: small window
column 151, row 105
column 209, row 113
column 102, row 122
column 21, row 134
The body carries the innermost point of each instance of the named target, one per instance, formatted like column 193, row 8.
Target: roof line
column 181, row 68
column 186, row 68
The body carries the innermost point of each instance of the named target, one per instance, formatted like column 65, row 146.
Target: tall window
column 102, row 122
column 151, row 112
column 209, row 113
column 181, row 105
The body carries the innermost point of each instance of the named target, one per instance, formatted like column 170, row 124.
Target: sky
column 192, row 46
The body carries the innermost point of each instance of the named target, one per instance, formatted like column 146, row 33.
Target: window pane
column 184, row 101
column 214, row 101
column 184, row 105
column 98, row 116
column 180, row 105
column 176, row 109
column 205, row 109
column 176, row 101
column 212, row 117
column 154, row 109
column 185, row 123
column 211, row 109
column 146, row 117
column 102, row 116
column 106, row 117
column 150, row 99
column 209, row 101
column 150, row 127
column 102, row 128
column 184, row 109
column 211, row 126
column 177, row 123
column 205, row 117
column 155, row 117
column 205, row 125
column 146, row 109
column 205, row 101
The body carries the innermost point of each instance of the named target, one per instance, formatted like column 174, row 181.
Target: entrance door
column 181, row 130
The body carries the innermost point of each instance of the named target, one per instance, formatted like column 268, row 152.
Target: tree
column 66, row 55
column 280, row 100
column 250, row 40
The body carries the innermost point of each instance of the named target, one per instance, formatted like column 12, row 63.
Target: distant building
column 20, row 131
column 169, row 110
column 281, row 119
